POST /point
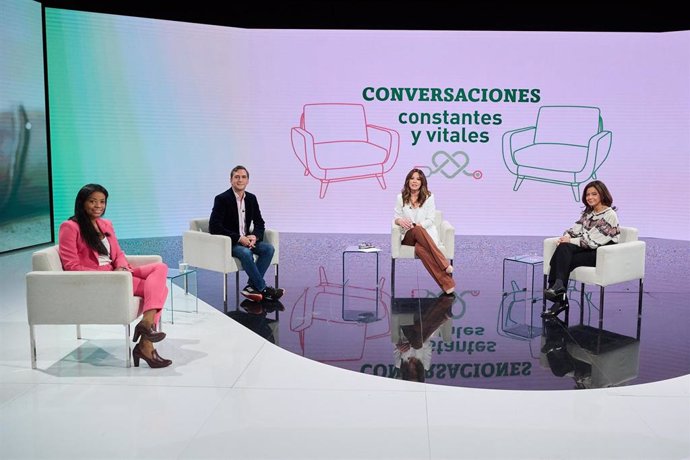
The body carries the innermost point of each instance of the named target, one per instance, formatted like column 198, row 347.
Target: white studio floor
column 231, row 394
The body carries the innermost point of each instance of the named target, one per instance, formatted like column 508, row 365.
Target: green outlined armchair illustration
column 566, row 146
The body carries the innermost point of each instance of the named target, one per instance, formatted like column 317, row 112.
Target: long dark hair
column 412, row 369
column 423, row 190
column 604, row 194
column 88, row 232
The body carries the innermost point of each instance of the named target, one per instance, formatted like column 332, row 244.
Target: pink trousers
column 430, row 255
column 150, row 283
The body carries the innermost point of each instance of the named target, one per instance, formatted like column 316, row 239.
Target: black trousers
column 567, row 258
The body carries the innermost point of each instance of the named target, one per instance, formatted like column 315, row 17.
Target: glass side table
column 356, row 315
column 520, row 296
column 186, row 282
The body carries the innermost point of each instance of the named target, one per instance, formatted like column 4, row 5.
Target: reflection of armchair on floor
column 595, row 358
column 335, row 143
column 567, row 146
column 516, row 316
column 317, row 317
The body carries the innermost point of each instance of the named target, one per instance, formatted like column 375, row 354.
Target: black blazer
column 224, row 219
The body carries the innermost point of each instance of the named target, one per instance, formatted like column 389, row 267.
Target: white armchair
column 446, row 234
column 214, row 252
column 616, row 263
column 54, row 296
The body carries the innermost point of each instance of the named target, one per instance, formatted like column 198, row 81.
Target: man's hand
column 248, row 241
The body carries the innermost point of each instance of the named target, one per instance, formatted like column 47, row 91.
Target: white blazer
column 424, row 216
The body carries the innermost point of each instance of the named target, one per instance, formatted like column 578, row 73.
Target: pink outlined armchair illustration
column 567, row 146
column 335, row 143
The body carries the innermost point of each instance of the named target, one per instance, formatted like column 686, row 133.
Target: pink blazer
column 76, row 255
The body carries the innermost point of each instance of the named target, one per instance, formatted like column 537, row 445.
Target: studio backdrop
column 508, row 126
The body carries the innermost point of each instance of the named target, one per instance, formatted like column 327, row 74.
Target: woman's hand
column 122, row 269
column 405, row 223
column 564, row 239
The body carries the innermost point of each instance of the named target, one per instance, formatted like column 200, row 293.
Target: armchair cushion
column 362, row 154
column 554, row 157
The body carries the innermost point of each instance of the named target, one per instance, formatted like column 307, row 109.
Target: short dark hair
column 237, row 168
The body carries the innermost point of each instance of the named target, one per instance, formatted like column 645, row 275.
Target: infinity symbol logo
column 451, row 165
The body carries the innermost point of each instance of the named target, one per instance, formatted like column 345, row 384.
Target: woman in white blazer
column 415, row 210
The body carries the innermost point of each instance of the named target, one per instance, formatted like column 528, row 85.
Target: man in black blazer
column 236, row 205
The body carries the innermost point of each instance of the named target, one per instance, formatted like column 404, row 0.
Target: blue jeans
column 255, row 270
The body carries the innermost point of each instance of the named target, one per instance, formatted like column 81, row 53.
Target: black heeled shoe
column 154, row 362
column 149, row 333
column 555, row 292
column 555, row 310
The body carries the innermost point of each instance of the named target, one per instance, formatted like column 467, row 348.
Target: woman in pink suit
column 88, row 242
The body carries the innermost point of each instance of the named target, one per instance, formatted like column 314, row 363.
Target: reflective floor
column 232, row 393
column 338, row 310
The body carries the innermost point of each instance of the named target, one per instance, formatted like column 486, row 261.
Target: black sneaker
column 252, row 294
column 270, row 293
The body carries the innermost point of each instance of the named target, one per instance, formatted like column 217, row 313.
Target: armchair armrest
column 273, row 237
column 303, row 147
column 210, row 252
column 621, row 262
column 78, row 297
column 549, row 248
column 447, row 235
column 515, row 140
column 396, row 238
column 300, row 318
column 598, row 150
column 388, row 139
column 138, row 261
